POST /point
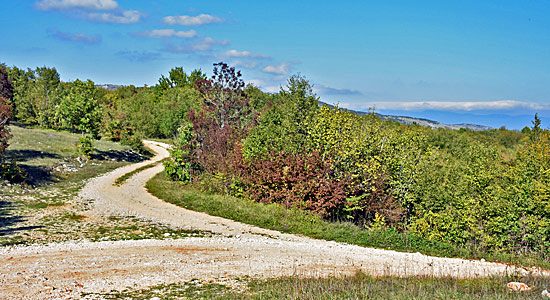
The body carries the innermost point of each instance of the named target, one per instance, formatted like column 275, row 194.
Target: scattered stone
column 518, row 286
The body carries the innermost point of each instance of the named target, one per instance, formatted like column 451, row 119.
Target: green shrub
column 135, row 141
column 11, row 172
column 85, row 146
column 178, row 166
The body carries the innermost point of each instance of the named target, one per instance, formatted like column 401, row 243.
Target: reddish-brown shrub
column 6, row 92
column 5, row 115
column 308, row 182
column 304, row 181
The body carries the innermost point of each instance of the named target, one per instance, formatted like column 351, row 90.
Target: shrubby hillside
column 483, row 189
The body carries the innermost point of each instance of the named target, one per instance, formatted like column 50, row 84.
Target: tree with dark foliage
column 6, row 93
column 224, row 96
column 221, row 122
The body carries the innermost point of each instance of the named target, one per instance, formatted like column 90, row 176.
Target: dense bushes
column 487, row 190
column 305, row 181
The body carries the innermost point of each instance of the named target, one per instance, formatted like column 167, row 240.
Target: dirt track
column 65, row 270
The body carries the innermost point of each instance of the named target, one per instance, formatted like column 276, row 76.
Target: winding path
column 65, row 270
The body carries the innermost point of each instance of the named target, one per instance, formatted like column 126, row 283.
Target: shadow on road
column 118, row 155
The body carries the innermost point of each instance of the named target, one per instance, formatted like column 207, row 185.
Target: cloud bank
column 244, row 64
column 205, row 44
column 201, row 19
column 243, row 54
column 166, row 33
column 326, row 90
column 125, row 17
column 278, row 69
column 500, row 105
column 76, row 4
column 76, row 37
column 104, row 11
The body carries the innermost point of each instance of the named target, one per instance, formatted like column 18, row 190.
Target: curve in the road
column 68, row 269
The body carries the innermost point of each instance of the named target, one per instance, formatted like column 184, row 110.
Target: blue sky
column 485, row 62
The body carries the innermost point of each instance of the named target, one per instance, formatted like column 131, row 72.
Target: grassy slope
column 46, row 210
column 45, row 147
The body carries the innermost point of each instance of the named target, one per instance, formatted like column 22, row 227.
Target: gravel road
column 66, row 270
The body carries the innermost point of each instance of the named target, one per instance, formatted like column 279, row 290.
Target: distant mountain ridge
column 109, row 87
column 420, row 121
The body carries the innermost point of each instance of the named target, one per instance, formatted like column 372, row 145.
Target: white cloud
column 245, row 64
column 164, row 33
column 126, row 17
column 454, row 106
column 243, row 54
column 321, row 89
column 106, row 11
column 202, row 19
column 205, row 44
column 76, row 37
column 76, row 4
column 279, row 69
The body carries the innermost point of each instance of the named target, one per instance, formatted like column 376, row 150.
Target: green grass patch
column 46, row 147
column 359, row 286
column 55, row 176
column 75, row 217
column 122, row 179
column 41, row 204
column 276, row 217
column 362, row 286
column 36, row 205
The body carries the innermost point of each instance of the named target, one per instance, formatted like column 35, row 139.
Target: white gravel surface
column 65, row 270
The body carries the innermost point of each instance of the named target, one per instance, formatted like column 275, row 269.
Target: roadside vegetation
column 359, row 286
column 276, row 217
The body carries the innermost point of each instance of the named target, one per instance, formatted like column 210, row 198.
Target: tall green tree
column 536, row 130
column 36, row 95
column 178, row 78
column 79, row 110
column 284, row 126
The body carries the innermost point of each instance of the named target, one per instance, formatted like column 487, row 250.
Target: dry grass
column 359, row 286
